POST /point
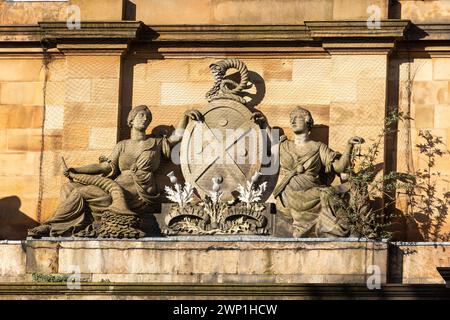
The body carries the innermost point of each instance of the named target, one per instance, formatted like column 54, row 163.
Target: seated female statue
column 308, row 168
column 128, row 185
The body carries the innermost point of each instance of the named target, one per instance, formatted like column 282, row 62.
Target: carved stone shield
column 228, row 145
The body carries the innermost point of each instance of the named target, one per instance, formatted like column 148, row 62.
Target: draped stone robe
column 305, row 189
column 132, row 167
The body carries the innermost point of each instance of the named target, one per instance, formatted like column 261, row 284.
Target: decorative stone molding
column 102, row 37
column 109, row 291
column 356, row 29
column 355, row 37
column 429, row 31
column 312, row 38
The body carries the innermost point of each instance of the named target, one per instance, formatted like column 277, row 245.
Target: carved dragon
column 227, row 88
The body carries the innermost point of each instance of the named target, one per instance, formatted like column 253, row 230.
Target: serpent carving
column 118, row 205
column 117, row 221
column 226, row 88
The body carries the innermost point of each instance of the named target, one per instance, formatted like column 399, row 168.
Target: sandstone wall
column 224, row 11
column 424, row 92
column 346, row 94
column 21, row 116
column 81, row 117
column 432, row 11
column 33, row 12
column 87, row 96
column 252, row 11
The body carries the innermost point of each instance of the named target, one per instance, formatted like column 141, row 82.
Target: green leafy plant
column 366, row 186
column 426, row 205
column 41, row 277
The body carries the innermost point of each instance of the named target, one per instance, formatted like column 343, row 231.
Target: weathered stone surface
column 75, row 136
column 81, row 67
column 54, row 117
column 21, row 70
column 232, row 259
column 32, row 13
column 15, row 164
column 420, row 260
column 102, row 138
column 21, row 93
column 184, row 93
column 105, row 91
column 78, row 90
column 13, row 260
column 16, row 116
column 442, row 117
column 251, row 12
column 146, row 92
column 278, row 69
column 24, row 139
column 198, row 260
column 433, row 11
column 221, row 260
column 168, row 70
column 42, row 257
column 359, row 9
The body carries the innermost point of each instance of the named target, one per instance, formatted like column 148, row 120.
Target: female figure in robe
column 308, row 167
column 131, row 166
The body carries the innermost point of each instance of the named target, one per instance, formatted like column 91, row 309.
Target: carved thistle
column 214, row 216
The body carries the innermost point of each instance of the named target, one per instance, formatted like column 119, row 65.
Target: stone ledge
column 417, row 262
column 201, row 260
column 108, row 291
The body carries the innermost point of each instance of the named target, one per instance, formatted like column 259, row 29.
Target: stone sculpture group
column 223, row 192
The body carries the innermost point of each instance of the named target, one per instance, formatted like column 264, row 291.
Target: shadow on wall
column 13, row 222
column 129, row 12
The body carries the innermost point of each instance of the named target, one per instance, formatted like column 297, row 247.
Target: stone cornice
column 36, row 290
column 429, row 31
column 112, row 36
column 218, row 33
column 119, row 30
column 312, row 38
column 20, row 33
column 355, row 37
column 393, row 29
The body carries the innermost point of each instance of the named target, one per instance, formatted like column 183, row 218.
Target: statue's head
column 139, row 118
column 301, row 120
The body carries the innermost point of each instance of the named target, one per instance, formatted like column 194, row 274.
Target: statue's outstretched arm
column 96, row 168
column 177, row 135
column 343, row 162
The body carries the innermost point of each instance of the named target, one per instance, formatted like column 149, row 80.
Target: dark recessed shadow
column 13, row 222
column 129, row 11
column 320, row 133
column 162, row 130
column 147, row 34
column 415, row 33
column 394, row 9
column 256, row 82
column 126, row 95
column 280, row 130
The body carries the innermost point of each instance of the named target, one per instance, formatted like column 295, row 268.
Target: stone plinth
column 417, row 262
column 207, row 260
column 12, row 261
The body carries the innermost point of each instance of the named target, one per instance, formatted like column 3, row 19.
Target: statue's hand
column 355, row 140
column 194, row 115
column 259, row 118
column 67, row 172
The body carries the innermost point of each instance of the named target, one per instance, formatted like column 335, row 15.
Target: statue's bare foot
column 39, row 231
